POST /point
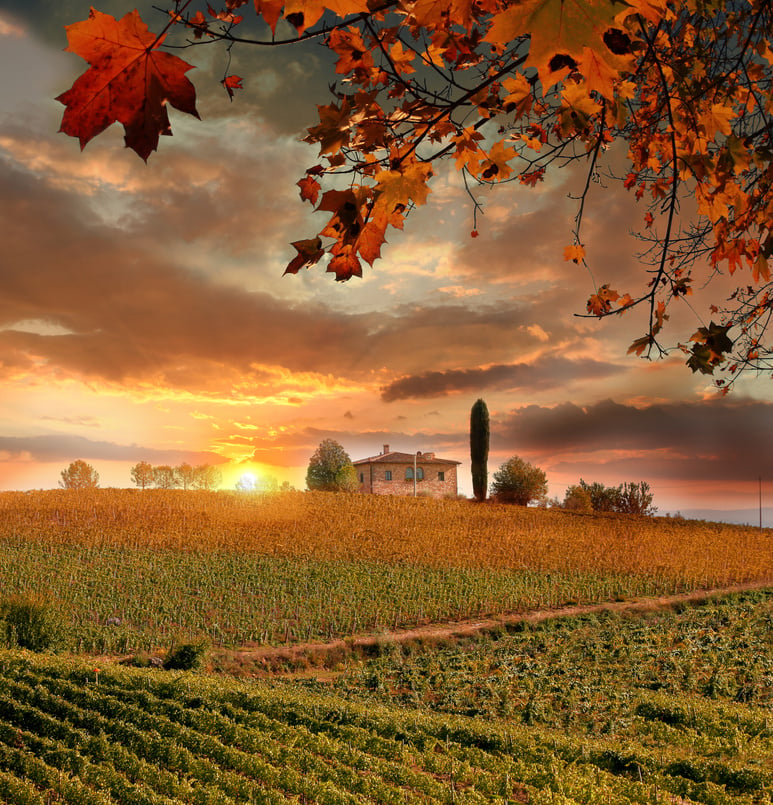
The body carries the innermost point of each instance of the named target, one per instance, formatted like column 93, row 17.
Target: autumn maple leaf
column 130, row 82
column 556, row 27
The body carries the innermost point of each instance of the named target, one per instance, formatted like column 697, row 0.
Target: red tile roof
column 405, row 458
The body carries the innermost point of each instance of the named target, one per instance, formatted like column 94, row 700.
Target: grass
column 595, row 711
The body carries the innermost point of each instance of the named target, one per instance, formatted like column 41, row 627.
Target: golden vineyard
column 137, row 569
column 436, row 533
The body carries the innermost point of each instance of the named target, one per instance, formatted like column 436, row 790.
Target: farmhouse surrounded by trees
column 393, row 473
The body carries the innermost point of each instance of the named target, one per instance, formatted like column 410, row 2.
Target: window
column 441, row 476
column 362, row 477
column 388, row 475
column 409, row 474
column 419, row 473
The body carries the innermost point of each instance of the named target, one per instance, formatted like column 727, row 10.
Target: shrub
column 186, row 656
column 577, row 499
column 628, row 498
column 519, row 482
column 29, row 623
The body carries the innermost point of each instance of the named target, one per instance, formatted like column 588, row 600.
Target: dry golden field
column 134, row 569
column 436, row 533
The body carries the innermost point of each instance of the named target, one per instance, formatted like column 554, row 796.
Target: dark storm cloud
column 550, row 373
column 682, row 440
column 68, row 448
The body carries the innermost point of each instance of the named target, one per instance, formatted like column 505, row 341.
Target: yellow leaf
column 518, row 93
column 556, row 27
column 400, row 187
column 496, row 168
column 575, row 97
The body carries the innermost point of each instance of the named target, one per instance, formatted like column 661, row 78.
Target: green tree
column 142, row 474
column 79, row 475
column 347, row 479
column 519, row 482
column 602, row 498
column 331, row 469
column 479, row 444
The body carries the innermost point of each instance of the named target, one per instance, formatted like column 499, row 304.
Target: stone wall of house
column 374, row 479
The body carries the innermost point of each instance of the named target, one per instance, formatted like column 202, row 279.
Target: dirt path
column 311, row 658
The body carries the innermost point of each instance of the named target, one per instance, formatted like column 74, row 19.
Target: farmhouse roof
column 393, row 457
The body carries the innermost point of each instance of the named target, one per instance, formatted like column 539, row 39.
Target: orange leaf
column 601, row 303
column 370, row 240
column 309, row 253
column 302, row 14
column 310, row 188
column 760, row 269
column 271, row 11
column 574, row 253
column 556, row 27
column 344, row 264
column 599, row 74
column 130, row 81
column 496, row 168
column 640, row 344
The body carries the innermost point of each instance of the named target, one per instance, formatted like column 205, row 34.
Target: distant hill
column 740, row 516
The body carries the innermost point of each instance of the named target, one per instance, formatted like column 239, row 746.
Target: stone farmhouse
column 392, row 473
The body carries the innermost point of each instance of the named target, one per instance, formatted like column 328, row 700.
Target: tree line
column 521, row 483
column 183, row 476
column 330, row 469
column 81, row 475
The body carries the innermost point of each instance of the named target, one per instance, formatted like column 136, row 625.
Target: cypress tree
column 479, row 440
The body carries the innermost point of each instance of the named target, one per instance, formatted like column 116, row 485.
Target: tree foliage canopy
column 506, row 90
column 628, row 498
column 79, row 475
column 203, row 476
column 331, row 469
column 479, row 445
column 142, row 474
column 519, row 482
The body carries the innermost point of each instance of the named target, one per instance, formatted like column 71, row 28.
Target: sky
column 144, row 314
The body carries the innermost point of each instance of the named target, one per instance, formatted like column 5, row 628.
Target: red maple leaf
column 232, row 82
column 130, row 82
column 310, row 188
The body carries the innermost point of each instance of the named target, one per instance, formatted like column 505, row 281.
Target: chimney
column 386, row 450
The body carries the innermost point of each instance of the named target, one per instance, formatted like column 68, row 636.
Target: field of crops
column 136, row 570
column 664, row 710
